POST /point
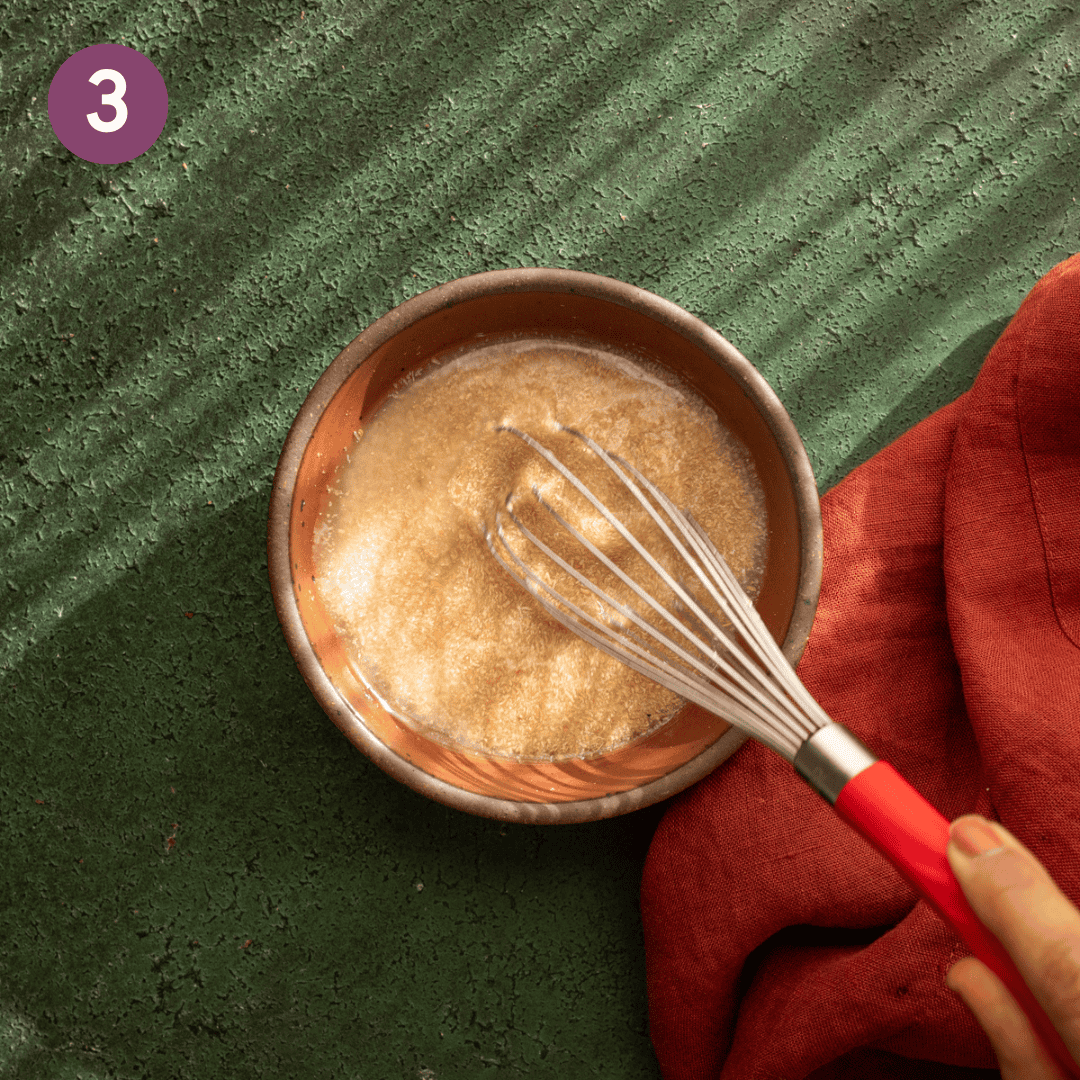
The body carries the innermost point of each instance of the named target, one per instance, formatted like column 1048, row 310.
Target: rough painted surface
column 201, row 878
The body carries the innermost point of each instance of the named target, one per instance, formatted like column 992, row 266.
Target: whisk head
column 673, row 610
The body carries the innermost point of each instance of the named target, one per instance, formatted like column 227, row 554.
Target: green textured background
column 199, row 877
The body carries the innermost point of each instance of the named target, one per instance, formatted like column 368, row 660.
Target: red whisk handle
column 888, row 812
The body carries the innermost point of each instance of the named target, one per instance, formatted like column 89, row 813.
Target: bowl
column 596, row 312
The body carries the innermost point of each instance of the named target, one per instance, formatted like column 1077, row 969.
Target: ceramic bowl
column 608, row 315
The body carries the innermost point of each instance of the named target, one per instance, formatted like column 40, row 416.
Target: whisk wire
column 595, row 631
column 659, row 608
column 623, row 531
column 622, row 647
column 612, row 520
column 746, row 701
column 730, row 597
column 753, row 624
column 745, row 620
column 769, row 710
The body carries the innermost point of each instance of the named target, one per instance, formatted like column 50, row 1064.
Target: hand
column 1018, row 902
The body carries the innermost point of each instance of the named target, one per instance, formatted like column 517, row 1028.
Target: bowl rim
column 531, row 280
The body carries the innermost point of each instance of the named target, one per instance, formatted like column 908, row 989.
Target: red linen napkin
column 947, row 638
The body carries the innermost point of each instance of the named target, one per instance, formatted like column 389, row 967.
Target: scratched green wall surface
column 199, row 878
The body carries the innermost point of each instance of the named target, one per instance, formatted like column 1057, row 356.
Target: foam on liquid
column 437, row 628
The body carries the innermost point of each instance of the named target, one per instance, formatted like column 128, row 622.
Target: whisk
column 703, row 639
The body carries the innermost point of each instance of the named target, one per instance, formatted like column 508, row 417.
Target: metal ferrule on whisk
column 830, row 758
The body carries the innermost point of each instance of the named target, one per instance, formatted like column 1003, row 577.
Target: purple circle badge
column 108, row 104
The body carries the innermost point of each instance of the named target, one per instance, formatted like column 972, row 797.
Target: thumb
column 1018, row 902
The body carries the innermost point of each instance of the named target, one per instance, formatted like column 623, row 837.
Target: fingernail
column 973, row 836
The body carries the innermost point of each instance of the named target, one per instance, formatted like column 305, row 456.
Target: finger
column 1017, row 900
column 1019, row 1053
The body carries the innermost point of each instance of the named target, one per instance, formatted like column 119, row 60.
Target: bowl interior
column 354, row 387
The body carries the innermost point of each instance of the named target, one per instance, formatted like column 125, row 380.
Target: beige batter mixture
column 438, row 629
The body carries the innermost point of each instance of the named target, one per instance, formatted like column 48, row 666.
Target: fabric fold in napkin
column 778, row 942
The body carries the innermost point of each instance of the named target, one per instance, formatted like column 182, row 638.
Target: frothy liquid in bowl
column 435, row 625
